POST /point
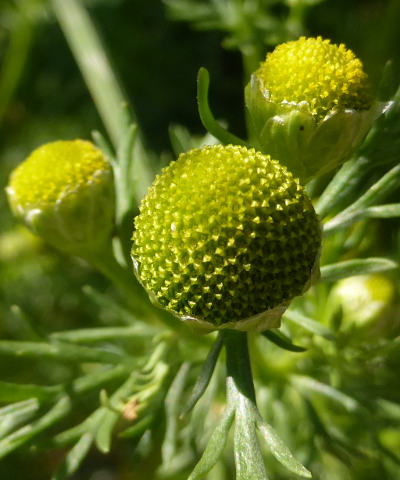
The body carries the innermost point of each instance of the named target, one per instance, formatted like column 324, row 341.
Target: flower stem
column 238, row 364
column 89, row 53
column 241, row 396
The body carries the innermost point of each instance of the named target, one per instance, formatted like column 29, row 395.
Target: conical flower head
column 64, row 193
column 310, row 105
column 225, row 238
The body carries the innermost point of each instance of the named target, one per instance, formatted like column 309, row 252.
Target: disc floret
column 224, row 235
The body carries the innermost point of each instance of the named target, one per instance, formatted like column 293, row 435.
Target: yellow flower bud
column 64, row 193
column 309, row 105
column 315, row 71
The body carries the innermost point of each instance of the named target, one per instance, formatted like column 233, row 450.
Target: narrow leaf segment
column 205, row 375
column 206, row 116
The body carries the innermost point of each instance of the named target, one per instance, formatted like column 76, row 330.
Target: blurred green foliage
column 43, row 98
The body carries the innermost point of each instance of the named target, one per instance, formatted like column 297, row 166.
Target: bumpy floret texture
column 56, row 169
column 225, row 233
column 324, row 75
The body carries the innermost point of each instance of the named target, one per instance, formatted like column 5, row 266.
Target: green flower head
column 225, row 238
column 325, row 76
column 309, row 105
column 64, row 193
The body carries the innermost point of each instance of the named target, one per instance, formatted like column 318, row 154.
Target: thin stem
column 241, row 396
column 238, row 364
column 95, row 67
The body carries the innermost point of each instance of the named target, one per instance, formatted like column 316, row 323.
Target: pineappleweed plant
column 225, row 238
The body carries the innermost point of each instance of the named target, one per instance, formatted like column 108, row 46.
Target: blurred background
column 44, row 98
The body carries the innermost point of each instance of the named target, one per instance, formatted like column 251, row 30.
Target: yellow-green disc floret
column 64, row 192
column 55, row 169
column 225, row 233
column 313, row 70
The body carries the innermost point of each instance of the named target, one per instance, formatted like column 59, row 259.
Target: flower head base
column 309, row 105
column 225, row 238
column 64, row 193
column 312, row 70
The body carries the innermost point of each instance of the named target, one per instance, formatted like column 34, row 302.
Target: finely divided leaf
column 206, row 116
column 215, row 446
column 381, row 211
column 14, row 392
column 58, row 351
column 375, row 194
column 248, row 458
column 104, row 433
column 282, row 341
column 138, row 428
column 10, row 421
column 280, row 451
column 92, row 335
column 349, row 268
column 205, row 375
column 17, row 407
column 26, row 433
column 309, row 324
column 310, row 384
column 341, row 186
column 74, row 458
column 172, row 413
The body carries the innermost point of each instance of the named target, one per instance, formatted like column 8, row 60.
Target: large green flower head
column 225, row 238
column 309, row 105
column 64, row 193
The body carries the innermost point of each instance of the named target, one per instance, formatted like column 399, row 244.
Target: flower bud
column 309, row 105
column 225, row 238
column 64, row 193
column 364, row 301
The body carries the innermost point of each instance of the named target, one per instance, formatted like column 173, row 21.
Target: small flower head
column 364, row 302
column 309, row 106
column 313, row 70
column 64, row 193
column 225, row 238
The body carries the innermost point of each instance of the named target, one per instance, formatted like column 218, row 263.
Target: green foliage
column 88, row 366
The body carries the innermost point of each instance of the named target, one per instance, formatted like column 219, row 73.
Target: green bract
column 64, row 193
column 309, row 105
column 225, row 238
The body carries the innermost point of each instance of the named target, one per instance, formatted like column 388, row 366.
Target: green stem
column 241, row 396
column 95, row 67
column 238, row 365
